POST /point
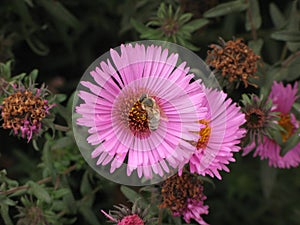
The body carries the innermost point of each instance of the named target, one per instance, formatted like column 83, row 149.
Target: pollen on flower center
column 23, row 111
column 138, row 120
column 204, row 135
column 285, row 122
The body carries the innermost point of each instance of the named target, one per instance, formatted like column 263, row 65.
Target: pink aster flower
column 283, row 98
column 122, row 215
column 140, row 107
column 220, row 137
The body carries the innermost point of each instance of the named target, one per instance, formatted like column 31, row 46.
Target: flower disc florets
column 234, row 60
column 23, row 111
column 183, row 195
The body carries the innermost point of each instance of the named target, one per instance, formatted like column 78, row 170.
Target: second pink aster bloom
column 140, row 108
column 220, row 136
column 283, row 98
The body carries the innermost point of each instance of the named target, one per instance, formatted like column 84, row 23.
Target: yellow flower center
column 204, row 135
column 138, row 120
column 285, row 122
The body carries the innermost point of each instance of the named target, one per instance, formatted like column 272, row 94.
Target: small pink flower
column 24, row 110
column 122, row 215
column 283, row 98
column 131, row 220
column 184, row 196
column 220, row 137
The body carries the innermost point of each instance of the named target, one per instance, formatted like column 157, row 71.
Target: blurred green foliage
column 49, row 182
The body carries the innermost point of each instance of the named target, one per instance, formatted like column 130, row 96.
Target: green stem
column 43, row 181
column 61, row 128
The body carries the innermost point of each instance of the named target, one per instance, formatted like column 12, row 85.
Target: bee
column 150, row 106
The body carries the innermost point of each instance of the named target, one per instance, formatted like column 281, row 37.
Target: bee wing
column 163, row 116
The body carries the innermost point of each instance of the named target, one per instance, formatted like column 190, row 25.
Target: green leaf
column 85, row 186
column 88, row 215
column 277, row 17
column 226, row 8
column 268, row 178
column 285, row 35
column 5, row 70
column 59, row 12
column 62, row 142
column 130, row 194
column 5, row 214
column 293, row 70
column 185, row 18
column 291, row 142
column 60, row 98
column 138, row 26
column 48, row 161
column 61, row 192
column 195, row 25
column 253, row 17
column 33, row 75
column 296, row 106
column 7, row 201
column 256, row 45
column 37, row 46
column 39, row 191
column 293, row 26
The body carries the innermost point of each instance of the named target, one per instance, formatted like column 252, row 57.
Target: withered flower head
column 234, row 60
column 23, row 111
column 260, row 120
column 125, row 216
column 183, row 195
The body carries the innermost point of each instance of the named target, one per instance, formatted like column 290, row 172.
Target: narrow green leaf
column 39, row 191
column 141, row 28
column 37, row 46
column 8, row 201
column 253, row 17
column 5, row 214
column 256, row 45
column 185, row 18
column 5, row 70
column 293, row 25
column 62, row 143
column 277, row 17
column 33, row 75
column 285, row 35
column 195, row 25
column 293, row 70
column 268, row 178
column 60, row 97
column 226, row 8
column 291, row 142
column 59, row 12
column 61, row 192
column 88, row 215
column 130, row 194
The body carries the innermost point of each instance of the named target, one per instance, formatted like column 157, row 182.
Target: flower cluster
column 122, row 215
column 183, row 195
column 23, row 111
column 283, row 98
column 234, row 60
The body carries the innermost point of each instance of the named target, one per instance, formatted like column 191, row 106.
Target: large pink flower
column 283, row 98
column 140, row 108
column 220, row 137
